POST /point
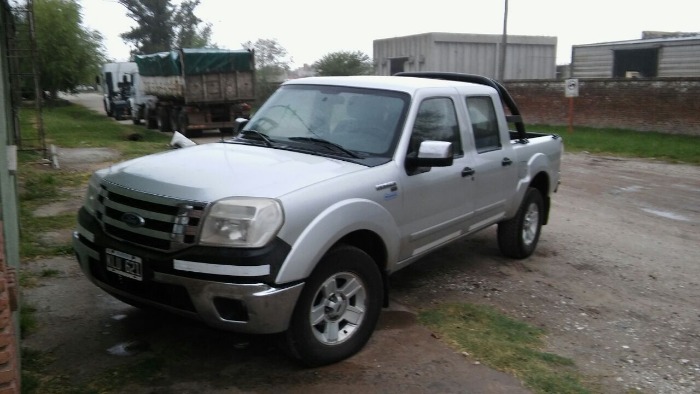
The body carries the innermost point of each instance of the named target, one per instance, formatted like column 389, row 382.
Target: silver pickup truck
column 293, row 225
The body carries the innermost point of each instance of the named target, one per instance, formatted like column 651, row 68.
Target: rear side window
column 484, row 123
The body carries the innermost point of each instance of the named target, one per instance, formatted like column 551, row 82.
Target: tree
column 344, row 63
column 154, row 30
column 187, row 32
column 68, row 54
column 271, row 65
column 161, row 25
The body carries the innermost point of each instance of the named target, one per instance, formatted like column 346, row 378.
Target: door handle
column 467, row 171
column 506, row 162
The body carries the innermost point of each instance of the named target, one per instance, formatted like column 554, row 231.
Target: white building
column 526, row 57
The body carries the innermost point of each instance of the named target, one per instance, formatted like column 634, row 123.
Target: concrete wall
column 668, row 105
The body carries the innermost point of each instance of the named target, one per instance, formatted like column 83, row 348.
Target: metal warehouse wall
column 527, row 57
column 668, row 105
column 677, row 58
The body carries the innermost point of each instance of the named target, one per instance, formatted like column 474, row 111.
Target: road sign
column 571, row 88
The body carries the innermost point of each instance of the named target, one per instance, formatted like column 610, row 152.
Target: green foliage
column 68, row 53
column 154, row 25
column 271, row 65
column 675, row 148
column 69, row 126
column 27, row 319
column 162, row 25
column 187, row 31
column 344, row 63
column 504, row 344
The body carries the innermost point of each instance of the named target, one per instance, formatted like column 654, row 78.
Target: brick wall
column 668, row 105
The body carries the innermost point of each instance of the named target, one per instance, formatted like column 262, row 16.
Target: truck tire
column 338, row 308
column 150, row 118
column 107, row 108
column 164, row 120
column 137, row 114
column 517, row 237
column 184, row 122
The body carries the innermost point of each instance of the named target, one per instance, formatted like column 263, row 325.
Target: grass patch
column 74, row 126
column 68, row 126
column 674, row 148
column 505, row 344
column 37, row 380
column 27, row 320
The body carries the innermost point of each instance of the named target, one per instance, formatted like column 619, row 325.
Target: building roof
column 650, row 41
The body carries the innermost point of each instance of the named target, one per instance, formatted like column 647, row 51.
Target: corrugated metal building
column 645, row 58
column 527, row 57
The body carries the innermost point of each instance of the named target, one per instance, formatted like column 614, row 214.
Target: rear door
column 494, row 166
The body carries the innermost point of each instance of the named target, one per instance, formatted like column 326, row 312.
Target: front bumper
column 247, row 307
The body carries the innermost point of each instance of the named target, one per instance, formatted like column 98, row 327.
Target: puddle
column 128, row 348
column 666, row 214
column 119, row 317
column 392, row 320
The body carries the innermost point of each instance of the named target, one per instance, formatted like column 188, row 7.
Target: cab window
column 484, row 123
column 436, row 121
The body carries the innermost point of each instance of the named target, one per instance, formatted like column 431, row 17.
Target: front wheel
column 338, row 309
column 517, row 237
column 136, row 115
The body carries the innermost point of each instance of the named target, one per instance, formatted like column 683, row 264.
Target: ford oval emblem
column 133, row 220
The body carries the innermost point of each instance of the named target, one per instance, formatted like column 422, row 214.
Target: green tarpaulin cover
column 195, row 61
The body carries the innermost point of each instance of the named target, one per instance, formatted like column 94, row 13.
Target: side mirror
column 432, row 154
column 240, row 124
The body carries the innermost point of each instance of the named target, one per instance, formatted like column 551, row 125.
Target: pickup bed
column 294, row 225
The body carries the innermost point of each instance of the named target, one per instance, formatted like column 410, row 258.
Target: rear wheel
column 338, row 308
column 164, row 120
column 107, row 109
column 150, row 118
column 518, row 237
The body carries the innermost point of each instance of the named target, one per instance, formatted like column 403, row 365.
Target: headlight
column 93, row 192
column 242, row 222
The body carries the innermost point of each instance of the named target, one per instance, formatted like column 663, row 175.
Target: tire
column 518, row 237
column 107, row 110
column 136, row 115
column 164, row 120
column 175, row 120
column 149, row 118
column 184, row 122
column 338, row 308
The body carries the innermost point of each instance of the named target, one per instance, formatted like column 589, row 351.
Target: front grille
column 164, row 224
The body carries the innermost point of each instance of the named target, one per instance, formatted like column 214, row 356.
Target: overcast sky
column 310, row 29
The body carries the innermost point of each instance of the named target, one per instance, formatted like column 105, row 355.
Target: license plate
column 124, row 264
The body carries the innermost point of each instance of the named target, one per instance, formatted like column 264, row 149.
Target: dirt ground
column 614, row 282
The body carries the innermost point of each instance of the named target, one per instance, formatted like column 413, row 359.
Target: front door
column 438, row 201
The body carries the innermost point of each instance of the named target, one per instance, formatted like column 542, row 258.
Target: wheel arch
column 541, row 183
column 372, row 230
column 372, row 244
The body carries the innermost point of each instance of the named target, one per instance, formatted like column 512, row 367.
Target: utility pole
column 504, row 43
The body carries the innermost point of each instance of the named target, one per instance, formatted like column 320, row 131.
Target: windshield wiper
column 262, row 137
column 327, row 144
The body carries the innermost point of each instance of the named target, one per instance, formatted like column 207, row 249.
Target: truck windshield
column 365, row 123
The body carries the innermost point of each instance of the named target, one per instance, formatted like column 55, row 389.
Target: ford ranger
column 293, row 225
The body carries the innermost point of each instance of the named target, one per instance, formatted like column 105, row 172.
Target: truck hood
column 213, row 171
